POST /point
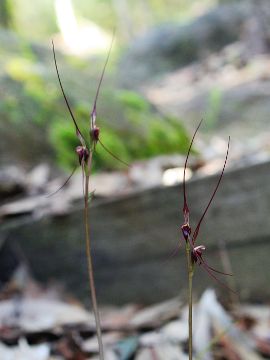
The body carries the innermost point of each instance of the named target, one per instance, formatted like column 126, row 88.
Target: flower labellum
column 186, row 230
column 196, row 253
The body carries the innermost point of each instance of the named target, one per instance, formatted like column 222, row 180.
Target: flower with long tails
column 191, row 237
column 82, row 150
column 85, row 152
column 194, row 253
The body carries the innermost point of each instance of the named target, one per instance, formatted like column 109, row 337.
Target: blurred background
column 172, row 64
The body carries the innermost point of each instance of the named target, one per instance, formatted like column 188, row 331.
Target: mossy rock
column 169, row 46
column 36, row 123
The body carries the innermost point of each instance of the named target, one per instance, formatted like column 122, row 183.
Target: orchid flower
column 194, row 252
column 191, row 237
column 83, row 150
column 85, row 155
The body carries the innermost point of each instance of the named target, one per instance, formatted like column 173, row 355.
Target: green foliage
column 62, row 136
column 28, row 74
column 168, row 136
column 148, row 134
column 6, row 13
column 64, row 141
column 132, row 100
column 152, row 134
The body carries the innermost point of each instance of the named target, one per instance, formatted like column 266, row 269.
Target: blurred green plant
column 6, row 13
column 28, row 73
column 146, row 133
column 213, row 108
column 32, row 104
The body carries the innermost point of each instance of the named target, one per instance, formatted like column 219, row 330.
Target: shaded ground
column 44, row 324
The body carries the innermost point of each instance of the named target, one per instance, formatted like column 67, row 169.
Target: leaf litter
column 47, row 325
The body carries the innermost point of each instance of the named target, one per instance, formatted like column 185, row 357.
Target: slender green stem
column 89, row 258
column 190, row 268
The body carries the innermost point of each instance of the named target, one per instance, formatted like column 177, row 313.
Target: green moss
column 62, row 136
column 132, row 100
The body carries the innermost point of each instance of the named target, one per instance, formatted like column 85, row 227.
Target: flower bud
column 95, row 134
column 82, row 153
column 186, row 230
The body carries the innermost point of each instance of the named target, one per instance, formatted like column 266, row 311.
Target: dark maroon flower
column 196, row 254
column 83, row 154
column 186, row 230
column 95, row 134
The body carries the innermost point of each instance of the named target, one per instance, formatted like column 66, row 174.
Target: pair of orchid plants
column 85, row 153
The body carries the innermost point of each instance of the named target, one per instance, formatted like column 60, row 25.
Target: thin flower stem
column 190, row 278
column 89, row 258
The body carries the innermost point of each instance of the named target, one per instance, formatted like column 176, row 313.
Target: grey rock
column 230, row 99
column 170, row 46
column 38, row 178
column 12, row 181
column 134, row 235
